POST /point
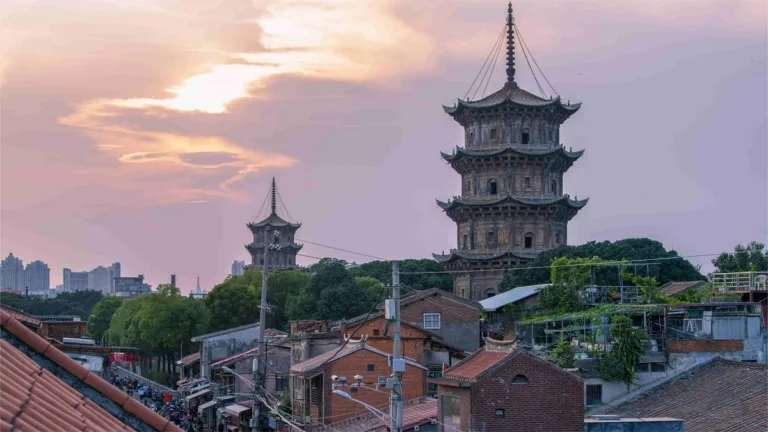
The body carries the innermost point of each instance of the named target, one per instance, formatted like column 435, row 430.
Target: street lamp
column 378, row 413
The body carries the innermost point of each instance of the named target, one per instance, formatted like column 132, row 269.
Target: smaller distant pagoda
column 276, row 231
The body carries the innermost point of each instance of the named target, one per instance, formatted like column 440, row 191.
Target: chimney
column 173, row 279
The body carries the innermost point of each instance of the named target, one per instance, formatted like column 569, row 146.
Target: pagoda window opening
column 529, row 241
column 493, row 133
column 527, row 182
column 464, row 242
column 553, row 187
column 490, row 238
column 492, row 187
column 557, row 239
column 526, row 136
column 471, row 137
column 551, row 135
column 472, row 240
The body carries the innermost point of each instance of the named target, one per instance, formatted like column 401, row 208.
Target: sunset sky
column 147, row 131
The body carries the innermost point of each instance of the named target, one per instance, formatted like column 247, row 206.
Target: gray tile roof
column 511, row 93
column 518, row 150
column 485, row 201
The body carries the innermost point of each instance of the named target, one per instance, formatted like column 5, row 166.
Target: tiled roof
column 223, row 332
column 335, row 354
column 461, row 152
column 475, row 366
column 523, row 200
column 672, row 288
column 274, row 220
column 274, row 333
column 513, row 94
column 234, row 358
column 33, row 399
column 457, row 254
column 418, row 295
column 423, row 411
column 720, row 395
column 190, row 359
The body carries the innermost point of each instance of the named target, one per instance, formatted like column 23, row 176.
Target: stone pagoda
column 512, row 205
column 279, row 233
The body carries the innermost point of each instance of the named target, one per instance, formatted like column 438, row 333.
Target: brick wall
column 552, row 400
column 414, row 384
column 703, row 345
column 412, row 340
column 310, row 326
column 459, row 323
column 464, row 401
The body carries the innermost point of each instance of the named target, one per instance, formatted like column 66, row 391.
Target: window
column 553, row 187
column 490, row 294
column 375, row 332
column 557, row 238
column 527, row 182
column 490, row 238
column 371, row 368
column 464, row 242
column 432, row 321
column 526, row 137
column 529, row 241
column 281, row 383
column 520, row 379
column 499, row 413
column 471, row 137
column 658, row 367
column 434, row 372
column 594, row 395
column 492, row 190
column 641, row 367
column 493, row 134
column 464, row 293
column 551, row 135
column 469, row 186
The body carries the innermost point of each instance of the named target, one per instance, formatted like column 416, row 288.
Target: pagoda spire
column 274, row 196
column 510, row 45
column 197, row 288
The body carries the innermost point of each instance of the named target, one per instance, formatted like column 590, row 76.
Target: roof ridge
column 36, row 343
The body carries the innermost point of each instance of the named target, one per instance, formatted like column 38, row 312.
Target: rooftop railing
column 740, row 282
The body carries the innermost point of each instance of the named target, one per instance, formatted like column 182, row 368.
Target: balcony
column 739, row 283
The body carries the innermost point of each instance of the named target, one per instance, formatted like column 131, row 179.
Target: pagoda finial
column 510, row 45
column 274, row 196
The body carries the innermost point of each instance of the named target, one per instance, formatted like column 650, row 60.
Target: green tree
column 101, row 316
column 370, row 286
column 232, row 304
column 563, row 355
column 331, row 294
column 77, row 303
column 537, row 271
column 626, row 349
column 282, row 286
column 751, row 257
column 418, row 274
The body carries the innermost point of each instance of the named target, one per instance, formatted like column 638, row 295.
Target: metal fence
column 741, row 281
column 153, row 385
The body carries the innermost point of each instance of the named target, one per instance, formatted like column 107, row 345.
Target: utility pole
column 398, row 364
column 259, row 372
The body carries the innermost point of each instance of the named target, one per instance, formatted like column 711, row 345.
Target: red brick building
column 311, row 383
column 503, row 387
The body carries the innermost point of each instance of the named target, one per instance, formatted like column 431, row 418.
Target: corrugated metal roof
column 516, row 294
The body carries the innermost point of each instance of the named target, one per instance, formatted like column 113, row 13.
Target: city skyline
column 351, row 124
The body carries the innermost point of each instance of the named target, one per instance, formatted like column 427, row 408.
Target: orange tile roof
column 473, row 367
column 33, row 399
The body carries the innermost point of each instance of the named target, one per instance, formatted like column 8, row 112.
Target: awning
column 197, row 395
column 205, row 406
column 236, row 409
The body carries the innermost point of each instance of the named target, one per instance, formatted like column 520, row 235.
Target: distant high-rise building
column 75, row 281
column 173, row 280
column 37, row 277
column 12, row 273
column 238, row 268
column 130, row 287
column 100, row 279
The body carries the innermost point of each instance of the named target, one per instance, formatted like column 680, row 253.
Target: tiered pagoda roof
column 513, row 95
column 274, row 220
column 564, row 200
column 461, row 152
column 457, row 254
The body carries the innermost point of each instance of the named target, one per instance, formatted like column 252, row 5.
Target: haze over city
column 147, row 132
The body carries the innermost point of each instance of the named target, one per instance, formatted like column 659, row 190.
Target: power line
column 531, row 68
column 495, row 48
column 341, row 250
column 493, row 68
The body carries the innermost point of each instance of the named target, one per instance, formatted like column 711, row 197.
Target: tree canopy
column 331, row 294
column 663, row 271
column 101, row 316
column 77, row 303
column 419, row 274
column 233, row 303
column 751, row 257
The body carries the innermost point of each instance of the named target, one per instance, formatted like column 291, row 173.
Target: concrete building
column 238, row 268
column 283, row 254
column 130, row 287
column 512, row 204
column 12, row 273
column 37, row 277
column 503, row 387
column 75, row 281
column 225, row 343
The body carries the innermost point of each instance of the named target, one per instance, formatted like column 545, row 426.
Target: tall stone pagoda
column 512, row 205
column 283, row 254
